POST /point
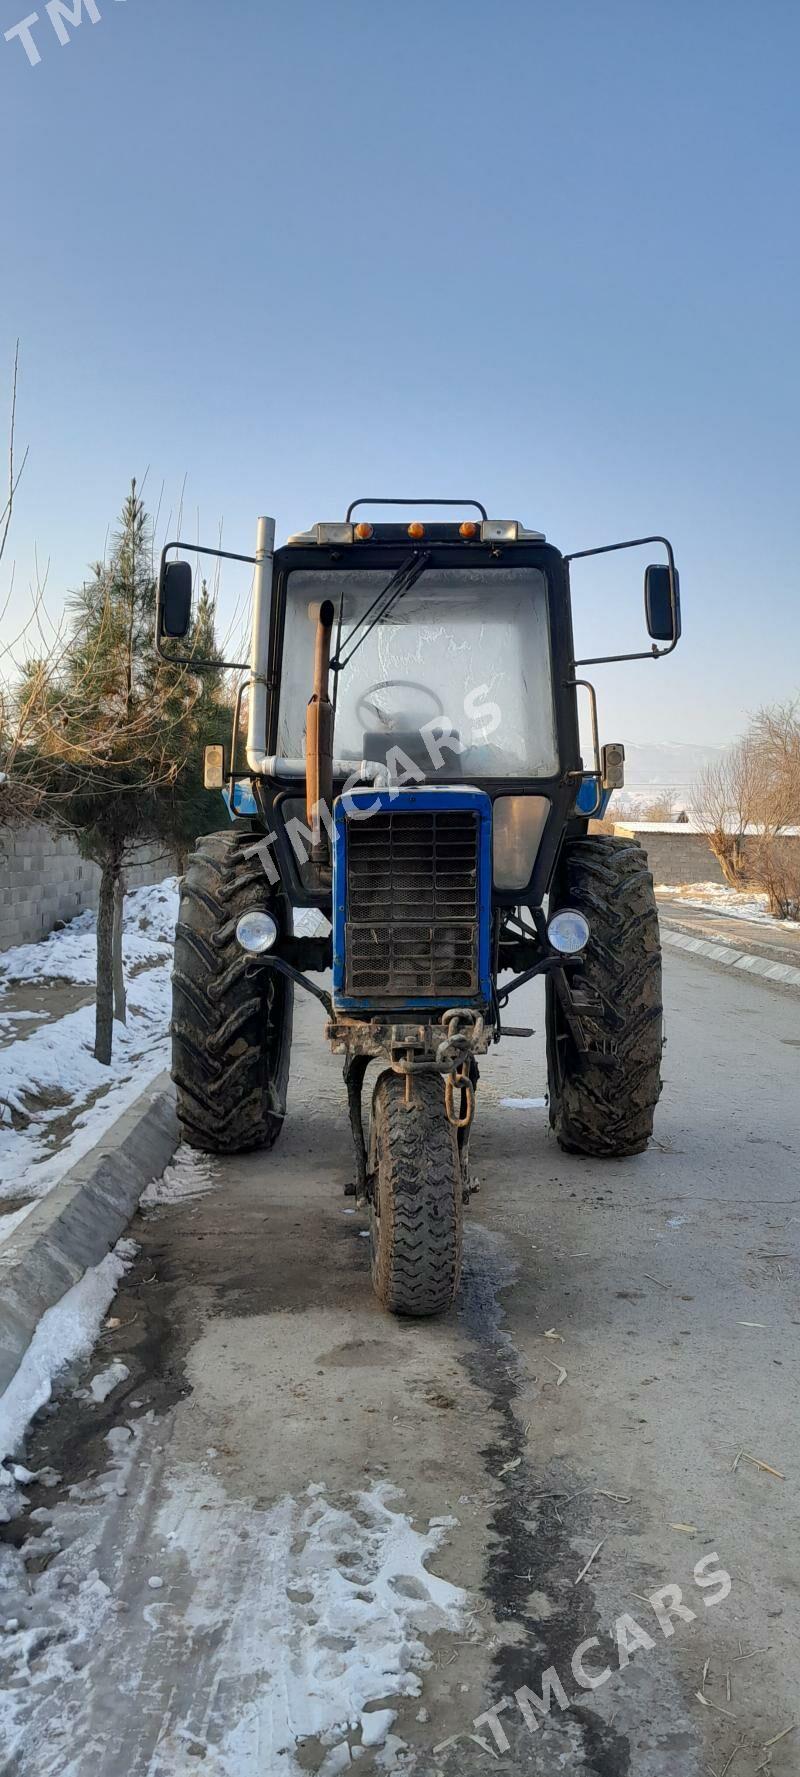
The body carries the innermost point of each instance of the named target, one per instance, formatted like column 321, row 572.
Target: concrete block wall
column 43, row 879
column 679, row 853
column 675, row 857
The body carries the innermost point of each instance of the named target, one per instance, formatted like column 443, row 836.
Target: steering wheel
column 385, row 685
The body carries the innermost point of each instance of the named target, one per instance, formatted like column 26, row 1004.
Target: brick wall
column 43, row 879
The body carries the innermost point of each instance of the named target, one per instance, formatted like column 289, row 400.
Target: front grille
column 412, row 905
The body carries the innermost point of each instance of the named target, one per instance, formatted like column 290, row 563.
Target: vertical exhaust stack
column 259, row 652
column 319, row 743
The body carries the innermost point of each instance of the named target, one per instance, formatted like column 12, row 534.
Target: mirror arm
column 653, row 653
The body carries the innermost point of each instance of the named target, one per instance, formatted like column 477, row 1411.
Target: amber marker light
column 363, row 532
column 416, row 529
column 468, row 529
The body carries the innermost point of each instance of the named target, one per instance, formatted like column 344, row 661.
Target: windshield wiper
column 406, row 576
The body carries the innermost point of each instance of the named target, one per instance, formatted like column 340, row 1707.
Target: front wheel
column 416, row 1214
column 602, row 1102
column 231, row 1025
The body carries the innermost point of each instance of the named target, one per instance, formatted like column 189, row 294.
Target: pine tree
column 110, row 736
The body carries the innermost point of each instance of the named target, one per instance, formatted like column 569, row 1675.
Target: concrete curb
column 77, row 1223
column 730, row 956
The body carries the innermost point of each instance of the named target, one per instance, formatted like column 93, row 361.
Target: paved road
column 193, row 1606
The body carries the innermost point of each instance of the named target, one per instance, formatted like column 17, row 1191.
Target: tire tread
column 417, row 1232
column 231, row 1034
column 600, row 1111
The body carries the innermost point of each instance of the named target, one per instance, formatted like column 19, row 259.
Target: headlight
column 256, row 931
column 568, row 931
column 518, row 823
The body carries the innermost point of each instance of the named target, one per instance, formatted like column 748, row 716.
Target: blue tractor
column 428, row 798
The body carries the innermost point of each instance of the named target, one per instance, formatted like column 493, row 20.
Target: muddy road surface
column 300, row 1536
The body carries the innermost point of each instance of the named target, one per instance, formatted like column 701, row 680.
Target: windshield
column 456, row 677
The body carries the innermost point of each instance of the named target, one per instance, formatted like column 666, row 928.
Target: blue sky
column 543, row 254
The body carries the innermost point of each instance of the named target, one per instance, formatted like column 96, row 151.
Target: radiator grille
column 412, row 904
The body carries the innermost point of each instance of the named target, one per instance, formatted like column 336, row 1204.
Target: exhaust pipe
column 319, row 742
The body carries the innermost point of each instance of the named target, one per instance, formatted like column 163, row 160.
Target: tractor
column 409, row 766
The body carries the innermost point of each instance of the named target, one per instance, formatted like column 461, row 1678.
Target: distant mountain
column 651, row 767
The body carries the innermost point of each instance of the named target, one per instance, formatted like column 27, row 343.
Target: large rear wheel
column 416, row 1218
column 231, row 1031
column 602, row 1102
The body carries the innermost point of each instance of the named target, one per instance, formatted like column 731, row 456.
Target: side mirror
column 175, row 599
column 663, row 622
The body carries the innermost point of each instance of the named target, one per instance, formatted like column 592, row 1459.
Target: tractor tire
column 607, row 1110
column 416, row 1212
column 231, row 1031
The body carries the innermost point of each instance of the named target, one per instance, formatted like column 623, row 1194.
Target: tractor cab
column 441, row 662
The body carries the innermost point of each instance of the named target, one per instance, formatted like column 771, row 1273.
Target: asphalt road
column 624, row 1331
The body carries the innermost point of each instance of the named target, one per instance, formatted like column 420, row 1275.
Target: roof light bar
column 490, row 530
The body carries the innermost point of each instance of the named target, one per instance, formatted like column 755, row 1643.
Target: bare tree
column 747, row 802
column 9, row 809
column 662, row 807
column 775, row 737
column 727, row 799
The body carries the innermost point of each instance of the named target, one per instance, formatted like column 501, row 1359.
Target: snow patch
column 53, row 1071
column 103, row 1385
column 189, row 1175
column 324, row 1618
column 70, row 955
column 375, row 1726
column 524, row 1104
column 716, row 897
column 65, row 1333
column 263, row 1628
column 9, row 1222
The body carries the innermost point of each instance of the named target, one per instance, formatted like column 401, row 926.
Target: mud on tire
column 598, row 1110
column 416, row 1218
column 231, row 1033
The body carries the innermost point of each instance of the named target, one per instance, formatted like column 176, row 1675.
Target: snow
column 71, row 955
column 326, row 1620
column 66, row 1332
column 633, row 825
column 375, row 1726
column 53, row 1071
column 750, row 828
column 264, row 1628
column 9, row 1222
column 524, row 1104
column 716, row 897
column 102, row 1385
column 190, row 1175
column 52, row 1074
